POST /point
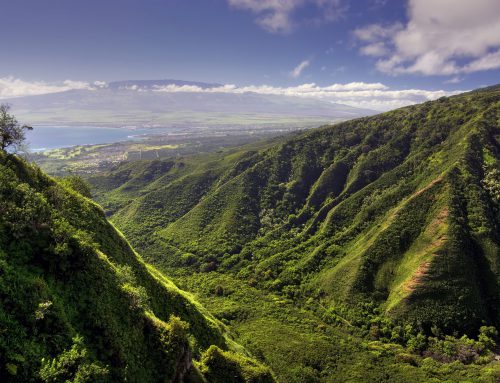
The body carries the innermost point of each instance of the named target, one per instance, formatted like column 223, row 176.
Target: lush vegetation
column 77, row 304
column 363, row 251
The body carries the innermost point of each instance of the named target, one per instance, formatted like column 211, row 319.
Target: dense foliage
column 385, row 228
column 77, row 304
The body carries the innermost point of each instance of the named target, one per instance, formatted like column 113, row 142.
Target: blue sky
column 417, row 44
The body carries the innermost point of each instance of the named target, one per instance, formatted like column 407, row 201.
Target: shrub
column 73, row 365
column 77, row 184
column 226, row 367
column 487, row 335
column 417, row 343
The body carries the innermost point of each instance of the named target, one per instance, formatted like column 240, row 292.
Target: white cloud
column 367, row 95
column 70, row 84
column 11, row 87
column 100, row 84
column 282, row 16
column 172, row 88
column 489, row 61
column 360, row 94
column 299, row 68
column 454, row 80
column 375, row 37
column 376, row 32
column 441, row 37
column 375, row 49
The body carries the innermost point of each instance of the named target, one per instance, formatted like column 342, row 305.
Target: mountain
column 78, row 304
column 150, row 103
column 385, row 228
column 152, row 84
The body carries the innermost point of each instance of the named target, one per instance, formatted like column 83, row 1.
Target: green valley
column 250, row 191
column 365, row 251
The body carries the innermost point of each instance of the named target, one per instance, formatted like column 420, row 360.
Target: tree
column 78, row 184
column 12, row 133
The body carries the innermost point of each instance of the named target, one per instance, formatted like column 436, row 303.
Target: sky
column 314, row 48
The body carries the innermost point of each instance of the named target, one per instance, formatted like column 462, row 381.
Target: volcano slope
column 77, row 304
column 385, row 227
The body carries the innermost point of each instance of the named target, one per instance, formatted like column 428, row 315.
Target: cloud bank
column 282, row 16
column 11, row 87
column 359, row 94
column 441, row 37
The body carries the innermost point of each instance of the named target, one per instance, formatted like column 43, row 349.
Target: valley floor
column 300, row 346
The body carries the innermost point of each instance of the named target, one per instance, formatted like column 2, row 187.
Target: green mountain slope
column 78, row 304
column 385, row 221
column 395, row 208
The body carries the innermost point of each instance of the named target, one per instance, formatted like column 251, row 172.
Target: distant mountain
column 152, row 84
column 148, row 103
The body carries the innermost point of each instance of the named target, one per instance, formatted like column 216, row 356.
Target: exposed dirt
column 414, row 195
column 427, row 187
column 422, row 270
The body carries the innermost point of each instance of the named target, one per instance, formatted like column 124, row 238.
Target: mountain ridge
column 355, row 181
column 148, row 84
column 381, row 222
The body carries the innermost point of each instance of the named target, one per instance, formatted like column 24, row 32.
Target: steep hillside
column 78, row 304
column 382, row 221
column 381, row 208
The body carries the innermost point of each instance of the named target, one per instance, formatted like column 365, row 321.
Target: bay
column 44, row 137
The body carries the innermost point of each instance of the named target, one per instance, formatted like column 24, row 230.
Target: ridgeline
column 380, row 235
